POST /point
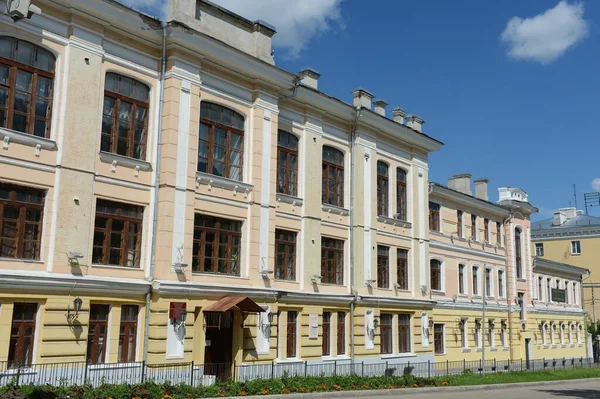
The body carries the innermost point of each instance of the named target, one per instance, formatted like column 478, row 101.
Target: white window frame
column 478, row 336
column 540, row 289
column 462, row 223
column 476, row 235
column 502, row 273
column 571, row 325
column 578, row 333
column 442, row 275
column 576, row 243
column 488, row 238
column 492, row 278
column 464, row 338
column 549, row 289
column 465, row 281
column 553, row 334
column 476, row 270
column 503, row 333
column 491, row 333
column 544, row 334
column 561, row 328
column 541, row 246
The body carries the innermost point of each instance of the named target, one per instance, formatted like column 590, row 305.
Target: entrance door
column 528, row 353
column 218, row 344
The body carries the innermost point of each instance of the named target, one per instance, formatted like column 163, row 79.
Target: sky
column 511, row 87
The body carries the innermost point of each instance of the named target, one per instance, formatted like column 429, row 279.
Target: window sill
column 398, row 355
column 219, row 275
column 576, row 254
column 127, row 162
column 479, row 349
column 493, row 349
column 335, row 358
column 393, row 221
column 277, row 280
column 288, row 199
column 116, row 267
column 27, row 261
column 438, row 293
column 222, row 182
column 437, row 233
column 335, row 209
column 113, row 366
column 521, row 280
column 8, row 135
column 290, row 360
column 463, row 295
column 466, row 350
column 506, row 348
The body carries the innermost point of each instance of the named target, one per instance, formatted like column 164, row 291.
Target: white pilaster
column 367, row 190
column 265, row 189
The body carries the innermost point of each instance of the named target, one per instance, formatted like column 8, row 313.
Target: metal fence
column 196, row 375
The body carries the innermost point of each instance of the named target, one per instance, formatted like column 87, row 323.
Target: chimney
column 414, row 122
column 481, row 188
column 309, row 77
column 362, row 98
column 570, row 213
column 559, row 218
column 461, row 183
column 380, row 107
column 399, row 114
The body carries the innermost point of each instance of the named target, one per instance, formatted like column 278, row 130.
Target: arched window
column 383, row 186
column 287, row 163
column 221, row 141
column 333, row 177
column 26, row 82
column 401, row 201
column 435, row 269
column 518, row 257
column 125, row 116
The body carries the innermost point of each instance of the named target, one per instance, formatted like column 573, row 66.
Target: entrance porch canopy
column 242, row 303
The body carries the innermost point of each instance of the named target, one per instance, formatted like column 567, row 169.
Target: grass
column 517, row 377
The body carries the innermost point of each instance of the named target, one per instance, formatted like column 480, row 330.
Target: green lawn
column 515, row 377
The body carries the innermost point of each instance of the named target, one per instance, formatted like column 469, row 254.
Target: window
column 435, row 274
column 26, row 86
column 464, row 338
column 462, row 279
column 97, row 334
column 571, row 328
column 544, row 334
column 503, row 334
column 285, row 255
column 125, row 116
column 117, row 234
column 474, row 233
column 499, row 234
column 575, row 296
column 385, row 331
column 488, row 282
column 486, row 230
column 221, row 141
column 521, row 300
column 341, row 333
column 567, row 292
column 402, row 269
column 401, row 195
column 291, row 342
column 475, row 280
column 501, row 293
column 549, row 290
column 382, row 189
column 561, row 329
column 575, row 248
column 491, row 338
column 332, row 261
column 438, row 338
column 540, row 288
column 459, row 223
column 22, row 334
column 217, row 245
column 383, row 268
column 404, row 345
column 287, row 163
column 477, row 333
column 518, row 259
column 326, row 344
column 539, row 249
column 333, row 177
column 21, row 211
column 128, row 333
column 434, row 216
column 579, row 329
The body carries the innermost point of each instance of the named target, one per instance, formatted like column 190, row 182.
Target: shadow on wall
column 574, row 393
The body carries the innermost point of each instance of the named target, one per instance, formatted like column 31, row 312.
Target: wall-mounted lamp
column 315, row 279
column 73, row 257
column 265, row 273
column 77, row 302
column 369, row 283
column 431, row 323
column 397, row 286
column 179, row 267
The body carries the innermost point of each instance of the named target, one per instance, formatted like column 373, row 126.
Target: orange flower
column 445, row 383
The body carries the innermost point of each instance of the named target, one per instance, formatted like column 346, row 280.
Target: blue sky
column 527, row 119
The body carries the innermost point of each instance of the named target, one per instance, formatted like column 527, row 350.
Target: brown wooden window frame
column 135, row 147
column 341, row 333
column 291, row 334
column 401, row 195
column 518, row 254
column 28, row 202
column 501, row 284
column 488, row 282
column 20, row 354
column 404, row 334
column 486, row 230
column 474, row 227
column 462, row 268
column 402, row 268
column 326, row 337
column 11, row 87
column 386, row 337
column 121, row 213
column 475, row 270
column 97, row 334
column 127, row 337
column 498, row 233
column 459, row 223
column 383, row 266
column 285, row 251
column 200, row 244
column 332, row 261
column 287, row 170
column 383, row 189
column 438, row 339
column 434, row 216
column 336, row 182
column 435, row 274
column 226, row 124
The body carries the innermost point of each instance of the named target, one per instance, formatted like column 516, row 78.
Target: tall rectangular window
column 477, row 333
column 287, row 163
column 404, row 345
column 438, row 338
column 539, row 249
column 459, row 223
column 488, row 282
column 518, row 254
column 549, row 290
column 540, row 289
column 401, row 195
column 475, row 280
column 521, row 299
column 326, row 344
column 461, row 279
column 128, row 333
column 217, row 245
column 383, row 187
column 486, row 230
column 333, row 177
column 501, row 284
column 434, row 216
column 503, row 334
column 499, row 234
column 474, row 228
column 383, row 267
column 385, row 331
column 285, row 255
column 292, row 327
column 576, row 247
column 464, row 338
column 22, row 334
column 97, row 334
column 118, row 234
column 402, row 269
column 332, row 261
column 21, row 211
column 341, row 333
column 435, row 275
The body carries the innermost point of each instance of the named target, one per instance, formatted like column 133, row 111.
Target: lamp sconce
column 265, row 273
column 73, row 257
column 430, row 323
column 179, row 322
column 371, row 329
column 179, row 267
column 315, row 279
column 397, row 286
column 266, row 321
column 72, row 314
column 369, row 283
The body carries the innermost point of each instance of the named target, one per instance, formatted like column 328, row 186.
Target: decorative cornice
column 336, row 210
column 222, row 182
column 288, row 199
column 458, row 248
column 120, row 160
column 26, row 139
column 409, row 303
column 27, row 164
column 394, row 221
column 122, row 183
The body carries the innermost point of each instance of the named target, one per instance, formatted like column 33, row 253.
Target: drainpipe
column 508, row 295
column 150, row 277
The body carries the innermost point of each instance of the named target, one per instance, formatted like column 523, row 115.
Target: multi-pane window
column 326, row 344
column 549, row 290
column 117, row 234
column 501, row 283
column 21, row 211
column 503, row 333
column 488, row 282
column 521, row 300
column 332, row 261
column 285, row 255
column 434, row 216
column 125, row 116
column 385, row 331
column 291, row 336
column 401, row 195
column 435, row 269
column 575, row 247
column 26, row 85
column 128, row 333
column 459, row 223
column 518, row 255
column 474, row 227
column 462, row 278
column 402, row 269
column 486, row 230
column 540, row 289
column 341, row 333
column 464, row 338
column 438, row 338
column 22, row 333
column 475, row 280
column 217, row 245
column 477, row 333
column 539, row 249
column 97, row 334
column 287, row 163
column 404, row 333
column 333, row 177
column 499, row 234
column 383, row 266
column 221, row 141
column 383, row 187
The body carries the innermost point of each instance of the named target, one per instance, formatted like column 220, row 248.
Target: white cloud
column 546, row 36
column 596, row 184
